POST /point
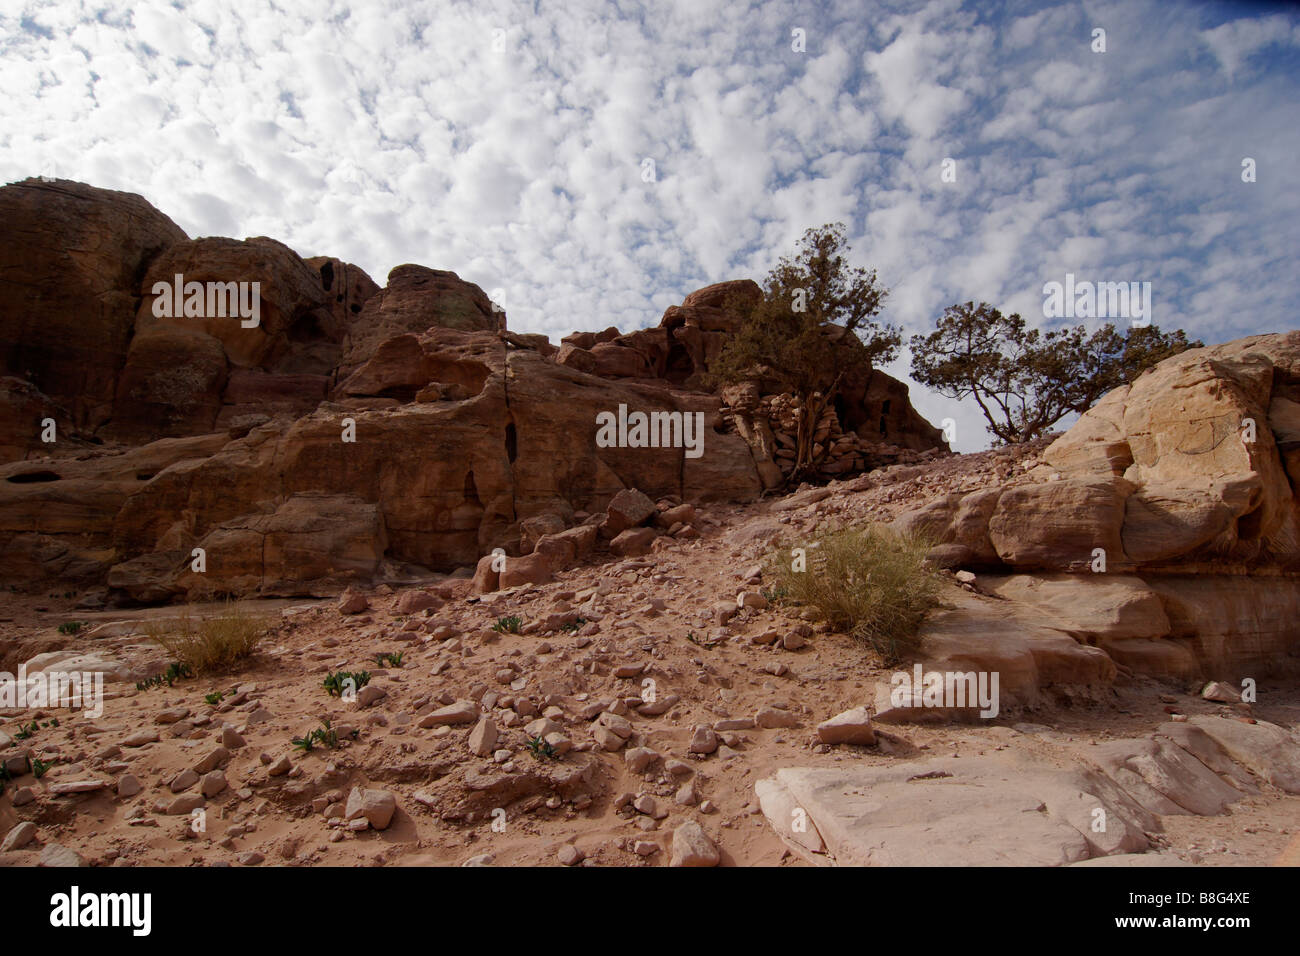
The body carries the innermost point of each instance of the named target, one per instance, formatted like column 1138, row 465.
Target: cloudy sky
column 514, row 144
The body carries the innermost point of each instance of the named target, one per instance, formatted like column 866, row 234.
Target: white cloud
column 394, row 132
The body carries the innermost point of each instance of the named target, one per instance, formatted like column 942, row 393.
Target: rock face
column 350, row 434
column 1018, row 810
column 1164, row 527
column 71, row 257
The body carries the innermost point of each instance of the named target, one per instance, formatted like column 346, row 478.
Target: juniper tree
column 813, row 326
column 1026, row 380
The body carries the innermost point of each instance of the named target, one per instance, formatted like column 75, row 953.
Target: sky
column 589, row 163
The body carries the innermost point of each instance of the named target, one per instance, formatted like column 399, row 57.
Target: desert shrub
column 870, row 582
column 211, row 644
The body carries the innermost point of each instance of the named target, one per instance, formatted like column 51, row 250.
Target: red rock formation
column 347, row 434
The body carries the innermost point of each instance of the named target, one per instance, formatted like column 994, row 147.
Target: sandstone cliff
column 346, row 434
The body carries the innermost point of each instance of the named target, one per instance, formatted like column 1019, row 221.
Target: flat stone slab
column 1015, row 809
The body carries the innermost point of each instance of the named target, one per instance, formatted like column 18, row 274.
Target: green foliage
column 870, row 582
column 325, row 735
column 335, row 683
column 690, row 636
column 573, row 626
column 174, row 672
column 39, row 767
column 508, row 625
column 26, row 730
column 1026, row 380
column 395, row 659
column 813, row 326
column 540, row 749
column 72, row 627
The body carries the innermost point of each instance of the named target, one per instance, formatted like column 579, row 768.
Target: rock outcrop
column 1163, row 527
column 344, row 434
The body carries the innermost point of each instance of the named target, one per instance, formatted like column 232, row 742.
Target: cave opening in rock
column 31, row 477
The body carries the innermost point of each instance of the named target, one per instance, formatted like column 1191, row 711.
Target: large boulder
column 71, row 258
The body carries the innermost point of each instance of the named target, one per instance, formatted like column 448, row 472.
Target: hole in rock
column 31, row 477
column 327, row 276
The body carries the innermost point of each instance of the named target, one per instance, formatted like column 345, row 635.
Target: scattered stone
column 461, row 712
column 56, row 854
column 770, row 718
column 483, row 738
column 850, row 727
column 17, row 838
column 692, row 847
column 376, row 806
column 704, row 740
column 570, row 855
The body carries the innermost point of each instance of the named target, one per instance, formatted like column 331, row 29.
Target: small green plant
column 395, row 659
column 776, row 595
column 26, row 730
column 508, row 625
column 72, row 627
column 540, row 749
column 216, row 697
column 690, row 636
column 573, row 626
column 870, row 582
column 335, row 684
column 39, row 767
column 325, row 735
column 174, row 672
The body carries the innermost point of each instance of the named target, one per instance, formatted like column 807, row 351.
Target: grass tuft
column 870, row 582
column 211, row 644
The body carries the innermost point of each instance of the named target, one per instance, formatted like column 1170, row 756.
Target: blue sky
column 507, row 141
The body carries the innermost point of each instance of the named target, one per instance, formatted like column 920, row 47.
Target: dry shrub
column 870, row 582
column 211, row 644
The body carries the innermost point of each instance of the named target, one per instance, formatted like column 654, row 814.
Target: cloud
column 507, row 141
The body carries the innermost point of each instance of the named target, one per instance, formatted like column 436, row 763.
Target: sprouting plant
column 508, row 625
column 325, row 735
column 776, row 595
column 26, row 730
column 72, row 627
column 216, row 697
column 393, row 658
column 39, row 767
column 540, row 749
column 335, row 684
column 174, row 672
column 690, row 636
column 573, row 626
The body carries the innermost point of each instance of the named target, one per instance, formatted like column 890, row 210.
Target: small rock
column 692, row 847
column 704, row 740
column 570, row 855
column 376, row 806
column 17, row 838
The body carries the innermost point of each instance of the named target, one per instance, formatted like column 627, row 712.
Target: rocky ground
column 664, row 710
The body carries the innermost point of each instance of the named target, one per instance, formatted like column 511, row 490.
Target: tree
column 1025, row 380
column 813, row 325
